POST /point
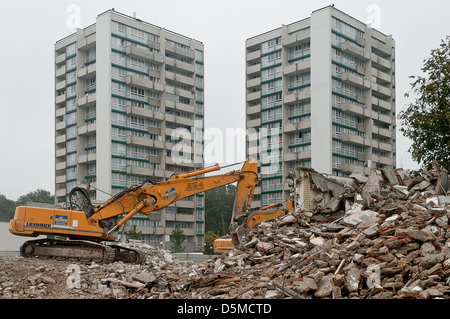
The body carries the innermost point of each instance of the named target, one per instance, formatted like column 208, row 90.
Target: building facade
column 321, row 94
column 129, row 108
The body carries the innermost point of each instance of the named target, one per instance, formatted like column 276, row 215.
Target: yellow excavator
column 86, row 226
column 251, row 220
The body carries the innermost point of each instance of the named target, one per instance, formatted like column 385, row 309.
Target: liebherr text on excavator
column 86, row 226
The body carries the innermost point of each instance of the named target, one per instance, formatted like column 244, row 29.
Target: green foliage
column 39, row 196
column 218, row 208
column 133, row 234
column 177, row 238
column 210, row 236
column 7, row 208
column 426, row 121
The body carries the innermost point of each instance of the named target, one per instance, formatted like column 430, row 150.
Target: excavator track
column 79, row 250
column 128, row 255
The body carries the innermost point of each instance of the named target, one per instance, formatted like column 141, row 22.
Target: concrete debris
column 381, row 236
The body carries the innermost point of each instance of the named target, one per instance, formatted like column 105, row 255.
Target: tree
column 426, row 121
column 133, row 234
column 7, row 208
column 218, row 208
column 38, row 196
column 210, row 236
column 177, row 238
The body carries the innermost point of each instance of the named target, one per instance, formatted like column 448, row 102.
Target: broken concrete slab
column 358, row 217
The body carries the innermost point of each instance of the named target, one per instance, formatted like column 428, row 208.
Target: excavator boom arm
column 150, row 198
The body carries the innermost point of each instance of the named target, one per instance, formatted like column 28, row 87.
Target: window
column 121, row 28
column 90, row 84
column 346, row 29
column 71, row 63
column 299, row 50
column 90, row 55
column 71, row 118
column 71, row 159
column 137, row 34
column 274, row 42
column 137, row 92
column 71, row 49
column 71, row 77
column 274, row 56
column 71, row 146
column 71, row 173
column 71, row 132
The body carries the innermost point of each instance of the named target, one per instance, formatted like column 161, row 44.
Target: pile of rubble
column 379, row 236
column 23, row 278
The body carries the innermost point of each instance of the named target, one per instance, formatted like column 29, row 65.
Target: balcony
column 351, row 168
column 253, row 96
column 60, row 152
column 134, row 170
column 187, row 52
column 180, row 78
column 60, row 72
column 291, row 157
column 254, row 109
column 384, row 91
column 184, row 107
column 141, row 141
column 88, row 99
column 253, row 55
column 60, row 179
column 184, row 121
column 253, row 82
column 86, row 42
column 297, row 97
column 381, row 63
column 85, row 129
column 381, row 131
column 383, row 48
column 254, row 69
column 87, row 71
column 381, row 103
column 382, row 160
column 60, row 139
column 134, row 110
column 60, row 85
column 381, row 117
column 383, row 76
column 355, row 110
column 297, row 67
column 355, row 139
column 145, row 54
column 294, row 127
column 60, row 166
column 296, row 37
column 356, row 51
column 254, row 123
column 181, row 65
column 60, row 99
column 357, row 81
column 60, row 126
column 85, row 158
column 144, row 84
column 60, row 58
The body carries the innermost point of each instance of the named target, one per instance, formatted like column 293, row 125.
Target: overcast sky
column 31, row 28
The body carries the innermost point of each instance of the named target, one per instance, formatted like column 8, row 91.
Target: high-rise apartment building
column 321, row 94
column 127, row 93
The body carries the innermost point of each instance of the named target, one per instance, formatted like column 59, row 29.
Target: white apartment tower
column 321, row 94
column 124, row 89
